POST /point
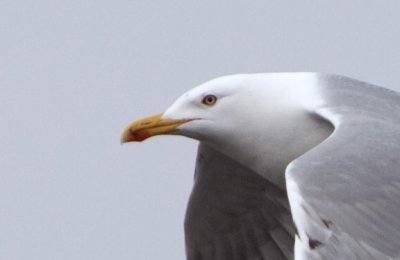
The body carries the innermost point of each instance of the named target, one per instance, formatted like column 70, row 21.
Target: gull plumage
column 289, row 157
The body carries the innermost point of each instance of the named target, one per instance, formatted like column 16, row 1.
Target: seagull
column 289, row 166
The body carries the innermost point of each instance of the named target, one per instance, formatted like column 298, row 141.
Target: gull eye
column 209, row 100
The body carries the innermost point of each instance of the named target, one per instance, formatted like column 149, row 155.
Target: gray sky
column 73, row 74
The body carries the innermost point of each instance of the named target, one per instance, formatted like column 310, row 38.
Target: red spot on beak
column 141, row 135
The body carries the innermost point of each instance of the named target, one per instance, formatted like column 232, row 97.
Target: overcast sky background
column 73, row 74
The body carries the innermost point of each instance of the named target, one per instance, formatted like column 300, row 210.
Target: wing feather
column 234, row 213
column 352, row 179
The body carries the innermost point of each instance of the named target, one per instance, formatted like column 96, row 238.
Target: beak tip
column 127, row 136
column 142, row 129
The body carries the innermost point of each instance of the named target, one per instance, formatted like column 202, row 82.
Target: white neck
column 285, row 126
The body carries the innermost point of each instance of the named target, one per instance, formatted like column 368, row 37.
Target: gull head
column 248, row 117
column 234, row 107
column 207, row 112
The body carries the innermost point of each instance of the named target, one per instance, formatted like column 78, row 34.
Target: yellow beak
column 150, row 126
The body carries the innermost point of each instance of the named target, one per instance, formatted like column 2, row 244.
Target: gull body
column 285, row 157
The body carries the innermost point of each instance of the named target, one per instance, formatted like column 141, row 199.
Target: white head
column 214, row 108
column 233, row 113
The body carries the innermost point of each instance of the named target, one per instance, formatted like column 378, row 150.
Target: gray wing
column 234, row 213
column 345, row 193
